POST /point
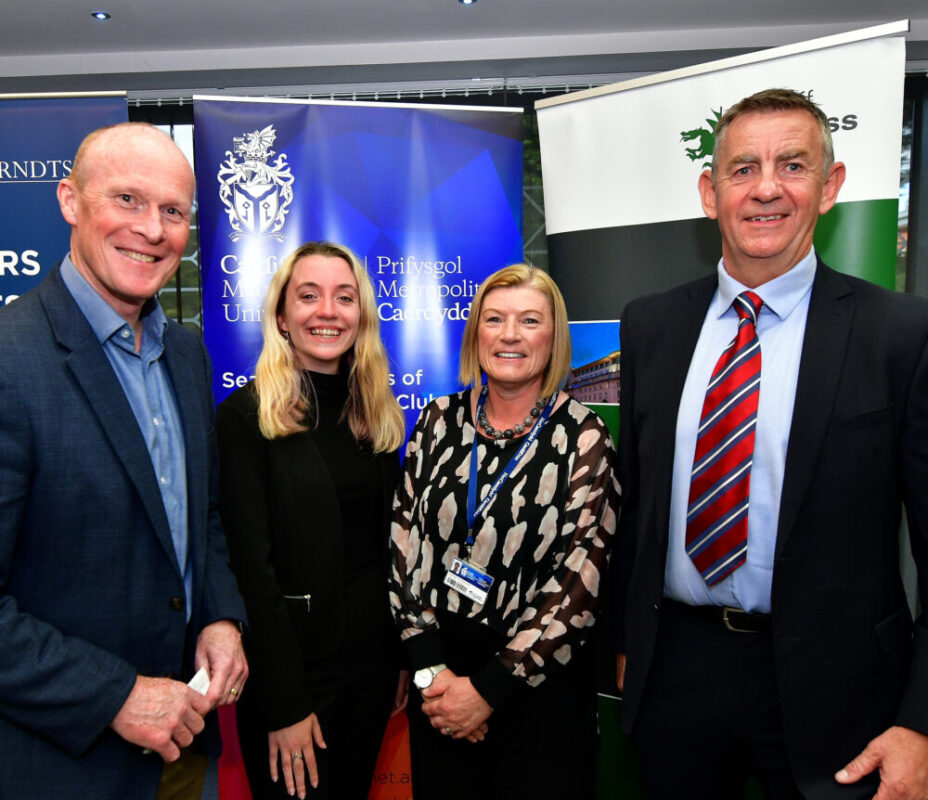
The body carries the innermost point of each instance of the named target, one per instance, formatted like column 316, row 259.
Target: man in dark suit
column 761, row 621
column 114, row 583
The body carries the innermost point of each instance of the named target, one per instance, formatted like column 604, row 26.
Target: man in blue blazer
column 788, row 651
column 114, row 584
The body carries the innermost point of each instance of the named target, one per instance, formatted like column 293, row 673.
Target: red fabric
column 392, row 778
column 233, row 783
column 392, row 775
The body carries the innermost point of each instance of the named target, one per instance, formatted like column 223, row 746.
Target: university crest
column 257, row 195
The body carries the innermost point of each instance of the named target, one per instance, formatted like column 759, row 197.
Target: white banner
column 620, row 158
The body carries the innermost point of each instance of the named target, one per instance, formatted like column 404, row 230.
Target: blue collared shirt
column 781, row 328
column 147, row 385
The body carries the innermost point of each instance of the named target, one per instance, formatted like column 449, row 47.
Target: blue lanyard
column 473, row 510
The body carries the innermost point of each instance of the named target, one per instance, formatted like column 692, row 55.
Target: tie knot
column 748, row 304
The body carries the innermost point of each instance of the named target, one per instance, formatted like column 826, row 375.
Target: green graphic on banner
column 703, row 140
column 860, row 239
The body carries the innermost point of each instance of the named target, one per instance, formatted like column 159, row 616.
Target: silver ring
column 296, row 756
column 448, row 731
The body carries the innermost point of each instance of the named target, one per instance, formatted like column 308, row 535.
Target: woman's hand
column 453, row 704
column 294, row 744
column 402, row 693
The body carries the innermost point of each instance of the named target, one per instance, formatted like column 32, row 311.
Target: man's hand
column 219, row 649
column 901, row 755
column 620, row 671
column 161, row 715
column 294, row 745
column 452, row 703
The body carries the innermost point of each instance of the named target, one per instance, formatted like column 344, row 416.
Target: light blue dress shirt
column 147, row 385
column 781, row 328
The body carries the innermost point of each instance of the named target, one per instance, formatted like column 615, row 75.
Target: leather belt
column 733, row 619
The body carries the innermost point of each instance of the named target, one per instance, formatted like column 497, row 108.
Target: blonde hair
column 514, row 276
column 285, row 401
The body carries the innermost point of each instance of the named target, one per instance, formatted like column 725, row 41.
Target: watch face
column 423, row 678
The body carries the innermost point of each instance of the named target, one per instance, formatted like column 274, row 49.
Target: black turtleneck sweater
column 356, row 477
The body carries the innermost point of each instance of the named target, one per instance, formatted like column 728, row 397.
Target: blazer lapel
column 93, row 373
column 828, row 327
column 684, row 321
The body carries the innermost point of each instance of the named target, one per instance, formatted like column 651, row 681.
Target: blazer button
column 176, row 604
column 656, row 607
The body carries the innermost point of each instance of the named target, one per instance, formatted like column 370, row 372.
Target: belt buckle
column 729, row 624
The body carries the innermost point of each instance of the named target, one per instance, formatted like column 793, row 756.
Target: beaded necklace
column 509, row 433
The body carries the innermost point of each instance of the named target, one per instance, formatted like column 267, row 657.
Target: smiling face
column 321, row 312
column 515, row 332
column 129, row 212
column 768, row 192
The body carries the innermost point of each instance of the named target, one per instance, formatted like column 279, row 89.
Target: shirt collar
column 102, row 316
column 781, row 295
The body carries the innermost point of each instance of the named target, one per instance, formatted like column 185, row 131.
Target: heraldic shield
column 256, row 206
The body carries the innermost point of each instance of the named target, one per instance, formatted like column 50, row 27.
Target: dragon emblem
column 256, row 194
column 704, row 138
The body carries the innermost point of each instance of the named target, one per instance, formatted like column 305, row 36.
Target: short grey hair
column 775, row 100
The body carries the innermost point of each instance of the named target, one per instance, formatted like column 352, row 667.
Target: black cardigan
column 283, row 523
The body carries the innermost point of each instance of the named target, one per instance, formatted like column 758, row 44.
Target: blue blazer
column 90, row 590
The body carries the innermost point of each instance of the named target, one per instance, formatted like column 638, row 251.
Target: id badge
column 469, row 581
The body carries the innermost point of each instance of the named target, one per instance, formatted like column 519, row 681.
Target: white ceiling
column 49, row 45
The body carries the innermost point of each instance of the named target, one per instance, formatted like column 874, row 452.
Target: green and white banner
column 621, row 163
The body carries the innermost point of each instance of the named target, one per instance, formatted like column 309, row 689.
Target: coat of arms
column 256, row 194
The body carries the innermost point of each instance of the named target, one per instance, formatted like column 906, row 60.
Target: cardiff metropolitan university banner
column 621, row 163
column 38, row 140
column 429, row 197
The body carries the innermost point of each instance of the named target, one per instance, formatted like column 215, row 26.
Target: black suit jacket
column 284, row 526
column 90, row 590
column 847, row 663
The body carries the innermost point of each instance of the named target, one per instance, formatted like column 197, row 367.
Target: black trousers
column 709, row 716
column 541, row 744
column 353, row 723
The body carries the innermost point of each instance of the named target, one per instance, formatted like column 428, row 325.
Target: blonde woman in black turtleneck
column 309, row 462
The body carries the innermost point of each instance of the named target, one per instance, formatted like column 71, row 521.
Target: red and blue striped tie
column 717, row 514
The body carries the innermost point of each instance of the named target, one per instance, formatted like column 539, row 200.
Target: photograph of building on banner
column 595, row 369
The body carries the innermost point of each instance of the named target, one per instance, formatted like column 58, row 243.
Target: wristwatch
column 424, row 677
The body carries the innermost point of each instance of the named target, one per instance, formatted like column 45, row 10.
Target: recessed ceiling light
column 467, row 2
column 100, row 16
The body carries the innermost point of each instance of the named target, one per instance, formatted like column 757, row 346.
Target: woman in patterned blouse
column 495, row 589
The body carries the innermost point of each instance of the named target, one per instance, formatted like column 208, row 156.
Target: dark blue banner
column 429, row 197
column 38, row 140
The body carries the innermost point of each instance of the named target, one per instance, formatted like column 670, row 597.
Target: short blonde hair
column 511, row 277
column 373, row 413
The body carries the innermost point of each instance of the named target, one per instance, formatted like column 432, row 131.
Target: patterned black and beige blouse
column 544, row 539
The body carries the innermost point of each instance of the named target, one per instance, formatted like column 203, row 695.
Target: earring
column 286, row 335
